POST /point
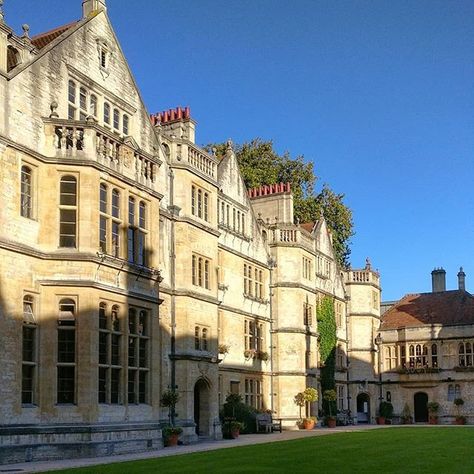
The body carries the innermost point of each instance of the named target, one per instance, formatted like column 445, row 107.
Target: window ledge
column 254, row 298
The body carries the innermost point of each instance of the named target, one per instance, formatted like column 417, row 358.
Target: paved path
column 47, row 466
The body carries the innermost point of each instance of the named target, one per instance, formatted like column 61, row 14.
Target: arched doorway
column 421, row 407
column 201, row 407
column 363, row 408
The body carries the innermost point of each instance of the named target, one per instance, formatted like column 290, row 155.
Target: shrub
column 386, row 410
column 235, row 410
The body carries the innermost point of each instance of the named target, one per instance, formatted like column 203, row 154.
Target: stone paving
column 244, row 440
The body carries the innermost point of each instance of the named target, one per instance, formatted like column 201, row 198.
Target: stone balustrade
column 201, row 161
column 291, row 234
column 71, row 139
column 362, row 276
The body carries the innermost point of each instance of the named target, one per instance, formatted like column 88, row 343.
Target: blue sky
column 378, row 94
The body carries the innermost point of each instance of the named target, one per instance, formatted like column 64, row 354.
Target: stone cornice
column 290, row 330
column 230, row 309
column 243, row 256
column 74, row 256
column 99, row 286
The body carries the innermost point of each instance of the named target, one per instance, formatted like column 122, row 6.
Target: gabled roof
column 444, row 307
column 43, row 39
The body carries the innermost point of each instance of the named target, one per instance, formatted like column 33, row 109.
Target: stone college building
column 132, row 261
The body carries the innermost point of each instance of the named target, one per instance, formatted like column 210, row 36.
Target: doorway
column 421, row 407
column 201, row 407
column 363, row 408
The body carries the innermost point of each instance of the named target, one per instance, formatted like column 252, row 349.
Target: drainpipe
column 272, row 266
column 175, row 212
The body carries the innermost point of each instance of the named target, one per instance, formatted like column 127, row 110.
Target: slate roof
column 444, row 307
column 43, row 39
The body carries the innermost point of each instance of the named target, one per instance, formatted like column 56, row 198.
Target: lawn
column 420, row 450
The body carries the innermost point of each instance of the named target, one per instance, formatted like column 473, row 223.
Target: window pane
column 66, row 384
column 26, row 183
column 143, row 359
column 103, row 234
column 142, row 385
column 131, row 386
column 116, row 119
column 142, row 215
column 131, row 245
column 116, row 239
column 66, row 345
column 115, row 359
column 27, row 383
column 143, row 323
column 103, row 348
column 72, row 92
column 106, row 113
column 83, row 99
column 141, row 249
column 125, row 124
column 103, row 198
column 28, row 344
column 115, row 386
column 68, row 191
column 131, row 211
column 67, row 228
column 115, row 203
column 102, row 385
column 93, row 107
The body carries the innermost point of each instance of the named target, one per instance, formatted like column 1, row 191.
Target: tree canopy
column 261, row 165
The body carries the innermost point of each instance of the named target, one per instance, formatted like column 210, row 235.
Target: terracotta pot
column 308, row 424
column 331, row 422
column 460, row 421
column 381, row 420
column 433, row 420
column 171, row 440
column 234, row 434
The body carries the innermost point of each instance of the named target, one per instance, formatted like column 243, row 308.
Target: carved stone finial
column 214, row 150
column 26, row 30
column 230, row 144
column 368, row 265
column 2, row 16
column 53, row 107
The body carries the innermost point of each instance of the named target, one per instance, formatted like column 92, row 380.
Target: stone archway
column 202, row 414
column 363, row 408
column 421, row 407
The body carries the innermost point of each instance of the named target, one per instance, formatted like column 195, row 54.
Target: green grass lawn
column 421, row 450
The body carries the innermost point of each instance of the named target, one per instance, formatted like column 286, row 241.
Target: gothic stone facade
column 132, row 262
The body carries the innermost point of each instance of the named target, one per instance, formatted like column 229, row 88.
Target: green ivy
column 327, row 346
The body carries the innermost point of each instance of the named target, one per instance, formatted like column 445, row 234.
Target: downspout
column 174, row 211
column 272, row 265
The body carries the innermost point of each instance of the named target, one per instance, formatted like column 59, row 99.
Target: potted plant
column 460, row 419
column 406, row 415
column 433, row 408
column 330, row 396
column 169, row 399
column 308, row 422
column 309, row 395
column 385, row 412
column 223, row 349
column 234, row 428
column 171, row 435
column 262, row 355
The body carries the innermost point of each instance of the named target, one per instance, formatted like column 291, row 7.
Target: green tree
column 260, row 165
